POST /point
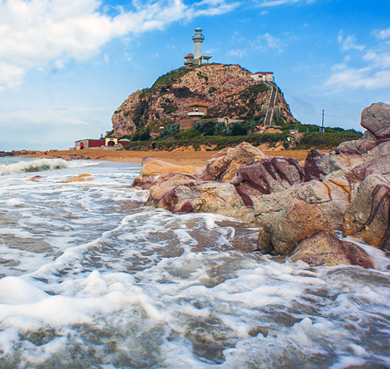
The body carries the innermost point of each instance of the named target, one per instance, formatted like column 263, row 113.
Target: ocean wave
column 38, row 165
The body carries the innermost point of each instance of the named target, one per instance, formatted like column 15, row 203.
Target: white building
column 263, row 77
column 197, row 58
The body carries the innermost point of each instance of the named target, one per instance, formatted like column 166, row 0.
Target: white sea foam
column 38, row 165
column 93, row 277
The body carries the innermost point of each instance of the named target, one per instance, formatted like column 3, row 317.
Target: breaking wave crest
column 37, row 166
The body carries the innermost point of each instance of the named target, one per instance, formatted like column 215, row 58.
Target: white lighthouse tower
column 197, row 58
column 198, row 39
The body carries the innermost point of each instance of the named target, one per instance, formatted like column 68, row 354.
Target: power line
column 307, row 107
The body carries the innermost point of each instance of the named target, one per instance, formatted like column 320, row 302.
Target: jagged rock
column 362, row 145
column 368, row 215
column 332, row 197
column 376, row 140
column 224, row 166
column 267, row 176
column 294, row 223
column 302, row 232
column 145, row 183
column 215, row 167
column 160, row 192
column 318, row 165
column 182, row 196
column 325, row 249
column 153, row 167
column 376, row 119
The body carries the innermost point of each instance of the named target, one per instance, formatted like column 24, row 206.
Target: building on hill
column 105, row 143
column 263, row 77
column 197, row 58
column 196, row 111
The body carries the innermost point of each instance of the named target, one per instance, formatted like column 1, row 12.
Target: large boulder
column 325, row 249
column 153, row 167
column 368, row 215
column 302, row 232
column 332, row 197
column 319, row 165
column 376, row 119
column 294, row 223
column 376, row 140
column 362, row 145
column 181, row 195
column 145, row 183
column 224, row 165
column 267, row 176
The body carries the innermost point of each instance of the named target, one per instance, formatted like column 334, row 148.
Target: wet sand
column 177, row 157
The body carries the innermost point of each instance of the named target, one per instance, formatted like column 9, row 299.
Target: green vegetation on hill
column 218, row 136
column 171, row 77
column 326, row 140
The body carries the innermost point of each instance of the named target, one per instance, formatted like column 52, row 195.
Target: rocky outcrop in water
column 297, row 209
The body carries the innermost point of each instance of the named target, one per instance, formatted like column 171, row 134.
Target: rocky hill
column 228, row 89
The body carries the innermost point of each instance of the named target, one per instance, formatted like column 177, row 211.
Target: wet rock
column 302, row 232
column 368, row 215
column 145, row 183
column 285, row 229
column 182, row 196
column 153, row 167
column 325, row 249
column 224, row 166
column 267, row 176
column 35, row 178
column 80, row 178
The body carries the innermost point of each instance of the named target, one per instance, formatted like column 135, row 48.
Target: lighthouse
column 198, row 39
column 197, row 58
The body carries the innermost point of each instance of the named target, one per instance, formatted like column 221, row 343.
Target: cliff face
column 228, row 89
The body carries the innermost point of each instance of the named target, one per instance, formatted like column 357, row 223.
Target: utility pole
column 322, row 129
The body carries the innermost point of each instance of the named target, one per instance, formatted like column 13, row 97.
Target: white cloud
column 73, row 116
column 374, row 72
column 267, row 41
column 10, row 76
column 356, row 78
column 378, row 60
column 238, row 52
column 281, row 2
column 383, row 34
column 34, row 33
column 348, row 43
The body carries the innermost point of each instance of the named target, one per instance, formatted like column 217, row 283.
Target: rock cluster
column 297, row 209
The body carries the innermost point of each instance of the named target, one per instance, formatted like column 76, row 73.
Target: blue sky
column 66, row 65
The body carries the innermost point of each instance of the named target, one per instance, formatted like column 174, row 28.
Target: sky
column 67, row 65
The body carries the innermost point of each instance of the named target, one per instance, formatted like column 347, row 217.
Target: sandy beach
column 177, row 157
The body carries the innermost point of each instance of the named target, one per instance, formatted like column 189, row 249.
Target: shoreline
column 177, row 157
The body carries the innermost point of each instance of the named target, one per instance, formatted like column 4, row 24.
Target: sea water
column 92, row 277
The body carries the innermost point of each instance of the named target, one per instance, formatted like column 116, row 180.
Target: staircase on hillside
column 271, row 105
